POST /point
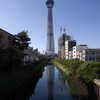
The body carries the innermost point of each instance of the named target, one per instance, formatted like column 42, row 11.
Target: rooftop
column 71, row 40
column 97, row 82
column 83, row 45
column 97, row 49
column 5, row 31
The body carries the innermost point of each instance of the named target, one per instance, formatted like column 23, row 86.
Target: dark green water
column 55, row 85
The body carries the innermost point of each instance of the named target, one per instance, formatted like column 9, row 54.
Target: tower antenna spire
column 60, row 30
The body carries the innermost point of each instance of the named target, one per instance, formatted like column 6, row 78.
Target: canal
column 55, row 85
column 49, row 83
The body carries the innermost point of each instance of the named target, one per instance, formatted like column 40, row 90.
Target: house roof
column 97, row 81
column 5, row 31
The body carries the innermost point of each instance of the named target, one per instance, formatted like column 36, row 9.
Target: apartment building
column 6, row 39
column 77, row 50
column 69, row 44
column 90, row 54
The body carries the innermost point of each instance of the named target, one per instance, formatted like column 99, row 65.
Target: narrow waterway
column 55, row 85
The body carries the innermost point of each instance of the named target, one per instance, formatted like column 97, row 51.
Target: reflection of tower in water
column 50, row 81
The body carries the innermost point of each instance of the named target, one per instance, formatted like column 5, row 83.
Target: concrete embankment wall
column 97, row 88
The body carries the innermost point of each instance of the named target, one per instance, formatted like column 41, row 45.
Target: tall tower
column 50, row 49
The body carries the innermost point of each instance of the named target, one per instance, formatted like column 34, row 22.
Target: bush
column 74, row 65
column 71, row 64
column 9, row 59
column 89, row 71
column 85, row 71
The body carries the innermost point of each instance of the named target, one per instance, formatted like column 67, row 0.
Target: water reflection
column 50, row 81
column 72, row 87
column 55, row 85
column 51, row 84
column 63, row 83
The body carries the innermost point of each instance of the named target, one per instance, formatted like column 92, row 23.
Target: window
column 9, row 38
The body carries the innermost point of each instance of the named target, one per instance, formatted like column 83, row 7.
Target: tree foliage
column 10, row 59
column 71, row 64
column 85, row 71
column 89, row 71
column 22, row 40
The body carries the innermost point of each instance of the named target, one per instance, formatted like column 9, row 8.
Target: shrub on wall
column 89, row 71
column 85, row 71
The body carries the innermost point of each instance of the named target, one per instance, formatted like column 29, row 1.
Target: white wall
column 77, row 49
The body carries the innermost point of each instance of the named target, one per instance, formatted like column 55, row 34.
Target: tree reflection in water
column 25, row 91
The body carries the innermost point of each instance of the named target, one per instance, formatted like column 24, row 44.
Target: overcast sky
column 80, row 17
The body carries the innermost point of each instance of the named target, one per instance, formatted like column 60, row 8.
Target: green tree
column 11, row 59
column 22, row 40
column 89, row 71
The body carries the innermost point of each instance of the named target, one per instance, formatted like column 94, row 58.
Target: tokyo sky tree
column 50, row 49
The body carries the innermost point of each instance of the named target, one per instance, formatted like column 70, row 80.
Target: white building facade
column 69, row 44
column 77, row 51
